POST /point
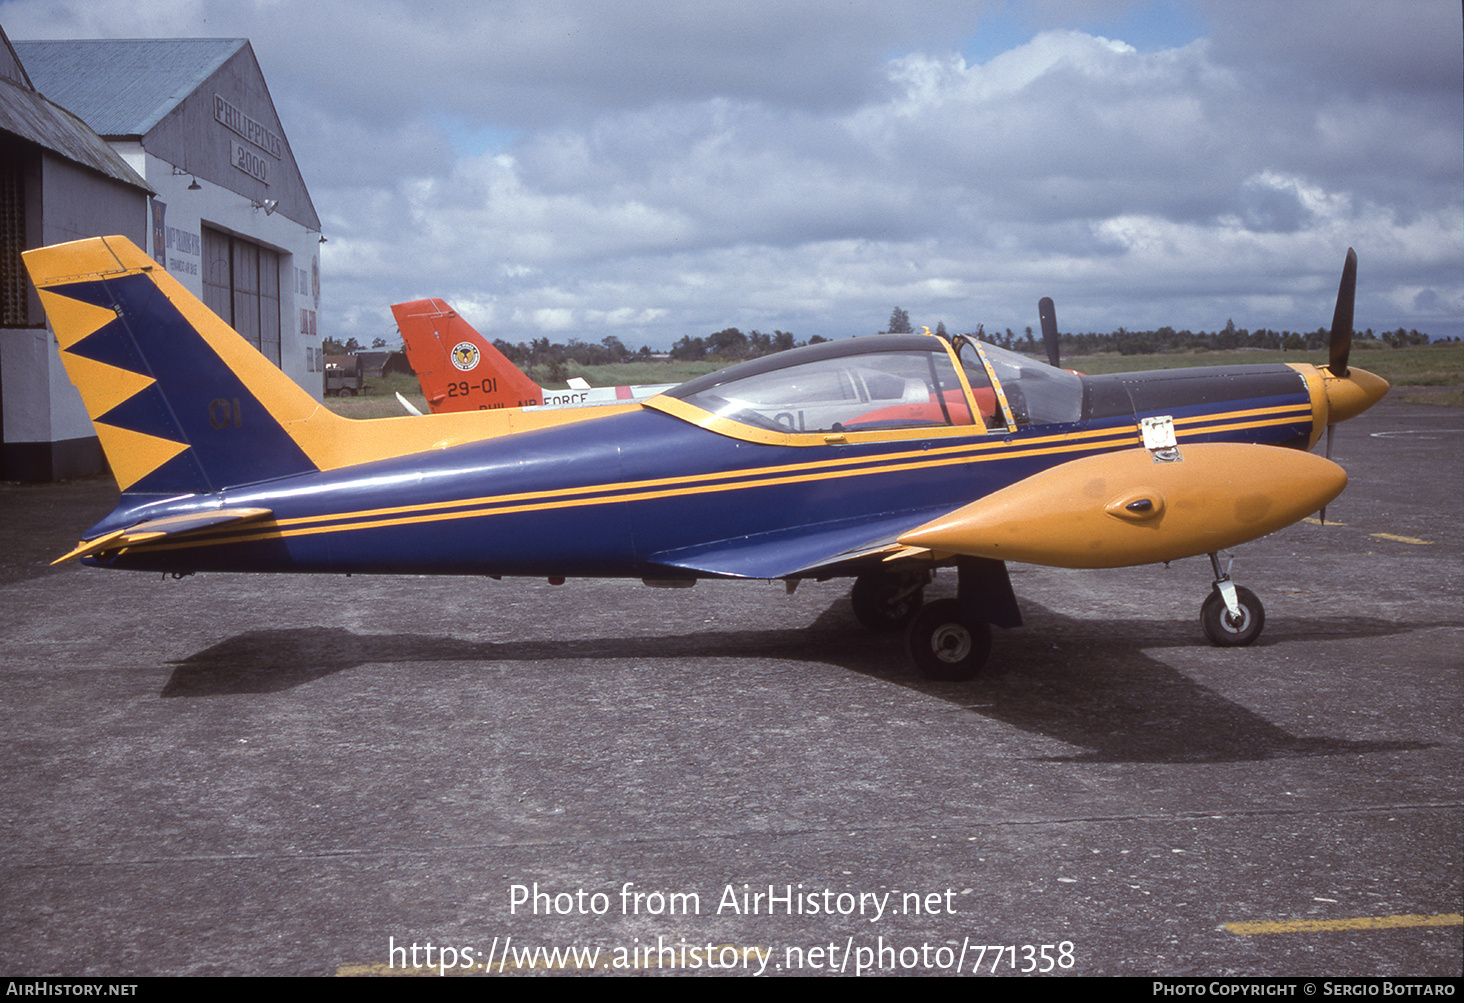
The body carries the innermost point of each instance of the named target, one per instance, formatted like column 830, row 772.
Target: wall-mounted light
column 322, row 238
column 193, row 185
column 268, row 205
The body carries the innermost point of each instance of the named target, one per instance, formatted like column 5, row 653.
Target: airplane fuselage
column 645, row 494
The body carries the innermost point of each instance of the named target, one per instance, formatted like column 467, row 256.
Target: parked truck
column 343, row 376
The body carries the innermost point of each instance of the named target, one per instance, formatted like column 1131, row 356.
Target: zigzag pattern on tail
column 172, row 418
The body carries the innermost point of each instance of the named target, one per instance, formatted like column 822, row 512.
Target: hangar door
column 241, row 283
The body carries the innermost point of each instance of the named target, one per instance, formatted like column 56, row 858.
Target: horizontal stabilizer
column 170, row 526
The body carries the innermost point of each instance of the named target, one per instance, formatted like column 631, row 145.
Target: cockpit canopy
column 884, row 383
column 1038, row 394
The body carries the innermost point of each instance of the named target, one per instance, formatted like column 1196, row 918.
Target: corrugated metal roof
column 10, row 67
column 123, row 87
column 27, row 114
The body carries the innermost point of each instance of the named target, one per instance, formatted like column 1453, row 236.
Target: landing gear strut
column 1231, row 616
column 886, row 602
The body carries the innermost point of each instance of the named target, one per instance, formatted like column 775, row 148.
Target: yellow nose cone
column 1348, row 396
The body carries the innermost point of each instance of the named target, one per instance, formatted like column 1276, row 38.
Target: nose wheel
column 1231, row 615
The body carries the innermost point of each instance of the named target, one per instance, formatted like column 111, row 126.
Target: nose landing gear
column 1231, row 615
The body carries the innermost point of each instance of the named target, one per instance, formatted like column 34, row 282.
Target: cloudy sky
column 657, row 168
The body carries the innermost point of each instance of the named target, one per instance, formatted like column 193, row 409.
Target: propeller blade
column 1048, row 314
column 1340, row 344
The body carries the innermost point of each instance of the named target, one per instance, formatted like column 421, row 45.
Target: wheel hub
column 951, row 643
column 1236, row 624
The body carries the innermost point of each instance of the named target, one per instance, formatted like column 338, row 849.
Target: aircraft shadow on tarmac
column 1088, row 684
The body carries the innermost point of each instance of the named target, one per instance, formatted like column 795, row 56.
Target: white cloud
column 653, row 174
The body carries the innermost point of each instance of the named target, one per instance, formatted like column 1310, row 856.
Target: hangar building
column 213, row 193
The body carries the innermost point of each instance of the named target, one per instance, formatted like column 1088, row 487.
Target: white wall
column 182, row 244
column 41, row 405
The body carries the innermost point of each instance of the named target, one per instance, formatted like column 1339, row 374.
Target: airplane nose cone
column 1348, row 396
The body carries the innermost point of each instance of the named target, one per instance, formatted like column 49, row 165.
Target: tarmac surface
column 310, row 775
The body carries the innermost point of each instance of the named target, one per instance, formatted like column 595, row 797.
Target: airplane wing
column 1134, row 506
column 803, row 551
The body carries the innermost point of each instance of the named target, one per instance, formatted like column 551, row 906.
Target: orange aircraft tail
column 458, row 368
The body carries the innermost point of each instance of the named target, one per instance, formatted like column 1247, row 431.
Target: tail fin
column 181, row 403
column 458, row 368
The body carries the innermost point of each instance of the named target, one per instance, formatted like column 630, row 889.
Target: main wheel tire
column 1226, row 631
column 347, row 392
column 943, row 646
column 886, row 602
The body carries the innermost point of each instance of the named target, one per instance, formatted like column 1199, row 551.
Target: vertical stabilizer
column 458, row 368
column 181, row 403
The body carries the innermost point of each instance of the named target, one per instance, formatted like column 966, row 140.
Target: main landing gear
column 945, row 646
column 887, row 602
column 1231, row 616
column 948, row 639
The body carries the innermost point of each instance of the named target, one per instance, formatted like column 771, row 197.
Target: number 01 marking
column 223, row 413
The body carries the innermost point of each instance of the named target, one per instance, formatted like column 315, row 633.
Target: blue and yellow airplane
column 878, row 459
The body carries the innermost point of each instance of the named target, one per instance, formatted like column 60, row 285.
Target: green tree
column 727, row 344
column 689, row 349
column 615, row 349
column 899, row 322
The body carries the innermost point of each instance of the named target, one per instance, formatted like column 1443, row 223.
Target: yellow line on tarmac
column 1355, row 923
column 1380, row 536
column 358, row 971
